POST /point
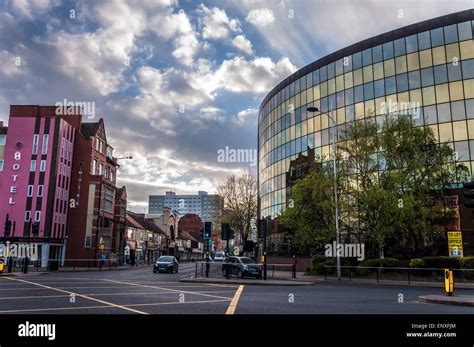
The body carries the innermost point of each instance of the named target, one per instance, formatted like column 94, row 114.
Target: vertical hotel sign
column 455, row 244
column 16, row 168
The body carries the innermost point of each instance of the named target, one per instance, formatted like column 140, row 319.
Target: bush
column 441, row 262
column 319, row 263
column 467, row 263
column 318, row 259
column 416, row 262
column 386, row 262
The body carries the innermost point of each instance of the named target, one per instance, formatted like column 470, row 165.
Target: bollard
column 448, row 282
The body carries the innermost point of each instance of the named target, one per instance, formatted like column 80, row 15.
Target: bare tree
column 240, row 202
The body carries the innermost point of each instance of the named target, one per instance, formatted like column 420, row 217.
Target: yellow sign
column 2, row 260
column 448, row 281
column 455, row 244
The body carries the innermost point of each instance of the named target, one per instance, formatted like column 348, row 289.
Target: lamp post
column 338, row 259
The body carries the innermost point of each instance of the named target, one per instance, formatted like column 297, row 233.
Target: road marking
column 79, row 295
column 178, row 303
column 163, row 288
column 55, row 309
column 235, row 300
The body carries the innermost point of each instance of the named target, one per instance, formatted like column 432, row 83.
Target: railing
column 218, row 270
column 401, row 275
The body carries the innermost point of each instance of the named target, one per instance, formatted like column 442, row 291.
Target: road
column 139, row 291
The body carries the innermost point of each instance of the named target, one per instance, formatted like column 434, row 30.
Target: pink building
column 36, row 152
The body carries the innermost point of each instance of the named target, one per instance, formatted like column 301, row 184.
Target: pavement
column 459, row 300
column 139, row 291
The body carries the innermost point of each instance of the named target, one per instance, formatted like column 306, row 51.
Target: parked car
column 242, row 267
column 166, row 263
column 219, row 256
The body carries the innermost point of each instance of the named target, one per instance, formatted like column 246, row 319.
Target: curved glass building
column 429, row 64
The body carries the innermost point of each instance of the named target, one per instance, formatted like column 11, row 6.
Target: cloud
column 215, row 23
column 252, row 76
column 31, row 9
column 261, row 17
column 242, row 43
column 246, row 116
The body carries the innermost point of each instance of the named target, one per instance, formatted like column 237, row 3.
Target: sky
column 178, row 81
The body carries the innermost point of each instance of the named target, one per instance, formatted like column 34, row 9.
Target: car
column 242, row 267
column 219, row 256
column 166, row 263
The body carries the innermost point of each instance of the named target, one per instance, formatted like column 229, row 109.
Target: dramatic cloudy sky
column 175, row 80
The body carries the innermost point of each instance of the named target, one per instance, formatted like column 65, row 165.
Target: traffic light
column 35, row 228
column 207, row 230
column 201, row 232
column 469, row 194
column 225, row 231
column 8, row 227
column 262, row 228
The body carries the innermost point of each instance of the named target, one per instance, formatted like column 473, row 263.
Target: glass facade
column 433, row 69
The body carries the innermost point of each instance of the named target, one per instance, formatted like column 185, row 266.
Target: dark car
column 242, row 267
column 166, row 263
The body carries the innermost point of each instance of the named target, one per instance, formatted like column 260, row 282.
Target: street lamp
column 334, row 130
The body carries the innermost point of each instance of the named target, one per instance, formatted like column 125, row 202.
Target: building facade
column 207, row 206
column 428, row 67
column 93, row 188
column 36, row 153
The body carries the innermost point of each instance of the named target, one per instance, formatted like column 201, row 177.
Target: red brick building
column 191, row 224
column 92, row 221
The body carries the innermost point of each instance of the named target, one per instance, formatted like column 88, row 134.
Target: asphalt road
column 139, row 291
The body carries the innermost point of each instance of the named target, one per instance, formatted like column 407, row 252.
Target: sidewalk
column 246, row 281
column 460, row 300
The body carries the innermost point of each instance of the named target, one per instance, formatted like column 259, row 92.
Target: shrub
column 318, row 259
column 467, row 263
column 386, row 262
column 441, row 262
column 416, row 262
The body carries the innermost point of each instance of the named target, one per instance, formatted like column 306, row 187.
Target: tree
column 311, row 219
column 240, row 202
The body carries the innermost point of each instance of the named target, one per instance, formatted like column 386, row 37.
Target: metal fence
column 463, row 278
column 218, row 270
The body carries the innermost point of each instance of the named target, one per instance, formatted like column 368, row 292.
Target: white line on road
column 79, row 295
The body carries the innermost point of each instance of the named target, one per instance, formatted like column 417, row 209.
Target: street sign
column 455, row 244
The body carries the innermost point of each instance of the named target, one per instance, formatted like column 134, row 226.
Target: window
column 44, row 149
column 388, row 50
column 112, row 173
column 413, row 62
column 442, row 93
column 454, row 72
column 465, row 31
column 444, row 113
column 377, row 54
column 389, row 67
column 35, row 144
column 368, row 91
column 427, row 77
column 3, row 140
column 425, row 58
column 414, row 80
column 30, row 191
column 1, row 164
column 37, row 216
column 458, row 111
column 424, row 40
column 452, row 53
column 439, row 56
column 468, row 68
column 357, row 60
column 108, row 200
column 40, row 190
column 378, row 71
column 390, row 86
column 349, row 96
column 33, row 165
column 412, row 44
column 379, row 88
column 399, row 47
column 402, row 82
column 437, row 37
column 94, row 167
column 27, row 216
column 440, row 74
column 367, row 57
column 101, row 169
column 359, row 93
column 401, row 64
column 450, row 33
column 43, row 166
